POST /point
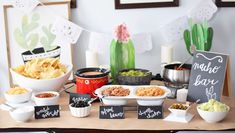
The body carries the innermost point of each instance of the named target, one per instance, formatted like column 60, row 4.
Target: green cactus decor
column 24, row 35
column 199, row 35
column 122, row 52
column 48, row 39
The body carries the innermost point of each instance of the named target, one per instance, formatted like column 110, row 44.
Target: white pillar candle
column 166, row 54
column 182, row 95
column 91, row 59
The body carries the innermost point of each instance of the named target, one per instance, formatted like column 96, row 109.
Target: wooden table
column 130, row 123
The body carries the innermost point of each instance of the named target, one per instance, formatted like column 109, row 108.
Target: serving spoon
column 11, row 108
column 193, row 50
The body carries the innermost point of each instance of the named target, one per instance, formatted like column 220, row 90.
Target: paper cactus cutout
column 48, row 39
column 24, row 35
column 200, row 35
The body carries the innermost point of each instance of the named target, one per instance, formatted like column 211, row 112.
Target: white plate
column 141, row 100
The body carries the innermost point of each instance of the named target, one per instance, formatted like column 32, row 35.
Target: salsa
column 45, row 95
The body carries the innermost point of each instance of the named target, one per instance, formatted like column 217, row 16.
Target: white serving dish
column 141, row 100
column 38, row 85
column 80, row 112
column 18, row 98
column 46, row 101
column 179, row 112
column 24, row 115
column 212, row 117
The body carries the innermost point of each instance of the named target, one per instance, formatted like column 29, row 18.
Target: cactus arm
column 187, row 40
column 200, row 37
column 209, row 39
column 205, row 29
column 48, row 39
column 33, row 41
column 194, row 36
column 20, row 39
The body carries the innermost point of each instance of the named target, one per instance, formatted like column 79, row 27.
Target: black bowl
column 134, row 80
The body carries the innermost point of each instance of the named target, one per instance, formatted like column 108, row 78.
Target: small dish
column 43, row 101
column 179, row 112
column 22, row 114
column 18, row 98
column 80, row 111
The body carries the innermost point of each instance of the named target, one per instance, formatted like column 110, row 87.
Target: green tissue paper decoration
column 24, row 35
column 48, row 39
column 122, row 52
column 200, row 35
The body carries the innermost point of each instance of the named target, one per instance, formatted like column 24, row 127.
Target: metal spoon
column 65, row 89
column 11, row 108
column 193, row 50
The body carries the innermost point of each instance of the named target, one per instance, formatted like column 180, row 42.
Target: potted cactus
column 200, row 35
column 28, row 39
column 122, row 52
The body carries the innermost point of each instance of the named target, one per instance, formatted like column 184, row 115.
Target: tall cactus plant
column 199, row 35
column 122, row 52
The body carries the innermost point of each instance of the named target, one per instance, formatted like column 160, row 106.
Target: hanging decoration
column 66, row 31
column 25, row 6
column 173, row 31
column 203, row 11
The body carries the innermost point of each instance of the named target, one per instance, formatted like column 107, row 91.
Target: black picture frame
column 119, row 5
column 220, row 3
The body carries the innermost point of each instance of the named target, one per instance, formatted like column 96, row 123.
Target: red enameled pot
column 90, row 79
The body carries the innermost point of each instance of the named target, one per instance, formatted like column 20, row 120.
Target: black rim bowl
column 172, row 66
column 137, row 69
column 104, row 72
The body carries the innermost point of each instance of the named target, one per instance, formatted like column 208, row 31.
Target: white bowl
column 22, row 114
column 179, row 112
column 18, row 98
column 46, row 101
column 54, row 84
column 80, row 112
column 212, row 117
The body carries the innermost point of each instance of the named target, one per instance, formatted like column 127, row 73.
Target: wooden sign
column 111, row 112
column 210, row 77
column 43, row 112
column 74, row 97
column 150, row 112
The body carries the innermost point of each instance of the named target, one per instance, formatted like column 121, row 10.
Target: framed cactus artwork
column 29, row 36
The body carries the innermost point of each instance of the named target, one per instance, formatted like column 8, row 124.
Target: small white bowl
column 18, row 98
column 179, row 112
column 80, row 112
column 212, row 117
column 46, row 101
column 38, row 85
column 22, row 114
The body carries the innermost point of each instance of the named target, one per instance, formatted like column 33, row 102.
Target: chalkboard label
column 207, row 76
column 74, row 97
column 111, row 112
column 43, row 112
column 150, row 112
